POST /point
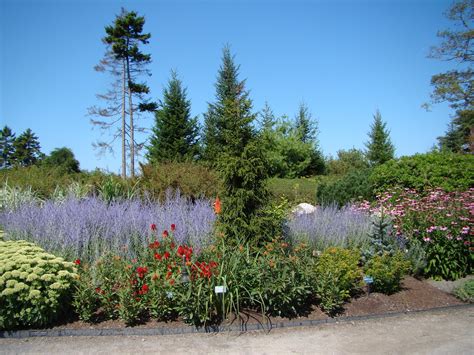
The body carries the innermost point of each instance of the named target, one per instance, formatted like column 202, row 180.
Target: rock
column 304, row 208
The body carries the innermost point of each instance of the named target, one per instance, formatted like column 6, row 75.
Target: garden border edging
column 19, row 334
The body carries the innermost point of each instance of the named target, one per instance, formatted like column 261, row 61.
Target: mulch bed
column 415, row 295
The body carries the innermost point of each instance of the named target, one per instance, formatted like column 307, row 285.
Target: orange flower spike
column 217, row 205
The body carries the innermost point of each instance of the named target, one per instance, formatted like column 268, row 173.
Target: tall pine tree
column 127, row 63
column 7, row 138
column 175, row 132
column 379, row 147
column 232, row 146
column 27, row 149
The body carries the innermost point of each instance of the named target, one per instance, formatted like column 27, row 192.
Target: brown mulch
column 415, row 295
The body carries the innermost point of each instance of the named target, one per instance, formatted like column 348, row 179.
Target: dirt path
column 437, row 332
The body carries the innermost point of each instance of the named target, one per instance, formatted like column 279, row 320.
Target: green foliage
column 86, row 299
column 382, row 239
column 288, row 153
column 465, row 292
column 191, row 179
column 7, row 138
column 227, row 123
column 35, row 286
column 175, row 132
column 379, row 147
column 244, row 194
column 426, row 171
column 295, row 190
column 416, row 254
column 337, row 277
column 64, row 159
column 352, row 187
column 387, row 271
column 347, row 161
column 27, row 149
column 457, row 138
column 42, row 181
column 455, row 86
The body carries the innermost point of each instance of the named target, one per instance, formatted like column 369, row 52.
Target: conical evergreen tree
column 7, row 138
column 232, row 146
column 268, row 118
column 227, row 123
column 379, row 147
column 175, row 132
column 27, row 149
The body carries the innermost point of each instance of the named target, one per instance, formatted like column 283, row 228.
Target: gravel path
column 436, row 332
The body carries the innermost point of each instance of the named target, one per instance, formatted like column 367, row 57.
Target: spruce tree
column 233, row 145
column 175, row 132
column 27, row 149
column 304, row 125
column 7, row 138
column 268, row 118
column 379, row 147
column 307, row 130
column 227, row 123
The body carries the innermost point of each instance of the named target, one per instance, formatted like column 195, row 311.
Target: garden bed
column 415, row 295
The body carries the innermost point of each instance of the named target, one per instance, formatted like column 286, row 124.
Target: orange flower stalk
column 217, row 205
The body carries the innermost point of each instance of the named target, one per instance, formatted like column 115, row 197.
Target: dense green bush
column 387, row 271
column 422, row 172
column 354, row 186
column 190, row 178
column 35, row 286
column 337, row 277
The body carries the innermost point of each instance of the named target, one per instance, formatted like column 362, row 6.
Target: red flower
column 141, row 271
column 173, row 227
column 153, row 227
column 165, row 233
column 166, row 255
column 172, row 282
column 154, row 245
column 217, row 205
column 144, row 289
column 77, row 261
column 157, row 256
column 172, row 245
column 155, row 277
column 168, row 274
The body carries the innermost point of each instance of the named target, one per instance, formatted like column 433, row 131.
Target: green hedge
column 448, row 171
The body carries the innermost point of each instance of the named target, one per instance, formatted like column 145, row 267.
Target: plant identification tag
column 220, row 289
column 368, row 279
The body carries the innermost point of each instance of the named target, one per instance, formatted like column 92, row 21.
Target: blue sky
column 344, row 58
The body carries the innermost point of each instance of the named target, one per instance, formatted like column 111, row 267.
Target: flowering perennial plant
column 88, row 228
column 441, row 221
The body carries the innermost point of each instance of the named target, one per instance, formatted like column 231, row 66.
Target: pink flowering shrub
column 441, row 221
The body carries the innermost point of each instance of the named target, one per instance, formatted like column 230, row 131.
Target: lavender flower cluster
column 87, row 228
column 330, row 226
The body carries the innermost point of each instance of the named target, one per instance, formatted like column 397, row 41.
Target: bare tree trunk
column 131, row 126
column 124, row 152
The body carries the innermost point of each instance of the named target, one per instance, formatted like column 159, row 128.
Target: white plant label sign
column 220, row 289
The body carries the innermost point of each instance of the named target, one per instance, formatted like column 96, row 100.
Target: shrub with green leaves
column 465, row 292
column 354, row 186
column 34, row 286
column 387, row 271
column 422, row 172
column 337, row 276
